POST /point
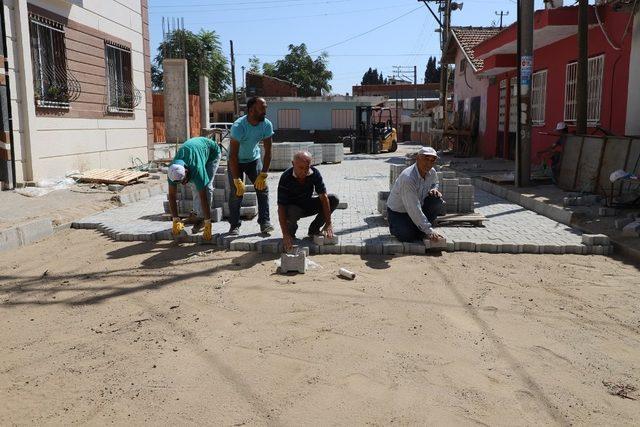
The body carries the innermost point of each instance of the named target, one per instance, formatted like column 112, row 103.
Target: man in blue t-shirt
column 244, row 158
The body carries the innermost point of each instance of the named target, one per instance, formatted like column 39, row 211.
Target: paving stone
column 216, row 215
column 438, row 245
column 595, row 239
column 342, row 205
column 293, row 262
column 414, row 248
column 465, row 246
column 530, row 249
column 392, row 248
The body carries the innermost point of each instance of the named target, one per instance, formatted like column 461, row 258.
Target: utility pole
column 415, row 84
column 233, row 82
column 443, row 66
column 525, row 70
column 501, row 14
column 582, row 83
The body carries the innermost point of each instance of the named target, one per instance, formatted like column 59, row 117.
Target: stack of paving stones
column 221, row 191
column 458, row 193
column 282, row 153
column 332, row 153
column 316, row 154
column 586, row 200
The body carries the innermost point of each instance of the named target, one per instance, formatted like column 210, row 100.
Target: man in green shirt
column 195, row 162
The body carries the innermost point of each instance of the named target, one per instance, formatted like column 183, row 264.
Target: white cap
column 561, row 126
column 427, row 151
column 176, row 172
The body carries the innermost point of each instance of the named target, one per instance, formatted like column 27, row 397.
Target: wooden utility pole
column 444, row 75
column 582, row 83
column 501, row 14
column 233, row 82
column 525, row 71
column 415, row 84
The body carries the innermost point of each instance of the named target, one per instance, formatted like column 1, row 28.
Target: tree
column 371, row 77
column 311, row 75
column 204, row 55
column 254, row 65
column 432, row 73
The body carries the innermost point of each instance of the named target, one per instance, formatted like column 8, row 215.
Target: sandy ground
column 95, row 331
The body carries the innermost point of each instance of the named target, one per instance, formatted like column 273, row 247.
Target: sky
column 356, row 34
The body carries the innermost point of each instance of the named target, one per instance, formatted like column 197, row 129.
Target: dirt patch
column 156, row 333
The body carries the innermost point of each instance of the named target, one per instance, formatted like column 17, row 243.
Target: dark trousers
column 313, row 206
column 401, row 225
column 252, row 170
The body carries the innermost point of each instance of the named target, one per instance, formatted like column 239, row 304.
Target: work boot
column 197, row 226
column 234, row 231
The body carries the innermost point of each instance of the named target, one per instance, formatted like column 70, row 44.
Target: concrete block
column 411, row 248
column 392, row 248
column 269, row 246
column 355, row 249
column 464, row 181
column 530, row 249
column 330, row 249
column 216, row 215
column 237, row 245
column 342, row 205
column 248, row 212
column 513, row 196
column 509, row 248
column 249, row 199
column 632, row 229
column 324, row 240
column 595, row 239
column 552, row 249
column 448, row 175
column 293, row 262
column 573, row 249
column 439, row 245
column 35, row 230
column 115, row 187
column 465, row 246
column 557, row 214
column 383, row 195
column 373, row 249
column 488, row 247
column 382, row 207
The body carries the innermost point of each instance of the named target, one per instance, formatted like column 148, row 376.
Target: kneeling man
column 414, row 201
column 296, row 200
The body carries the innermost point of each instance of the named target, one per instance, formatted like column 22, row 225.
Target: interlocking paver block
column 293, row 262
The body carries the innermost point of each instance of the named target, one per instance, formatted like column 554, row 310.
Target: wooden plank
column 112, row 176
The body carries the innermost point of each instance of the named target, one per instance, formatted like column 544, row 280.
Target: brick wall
column 261, row 85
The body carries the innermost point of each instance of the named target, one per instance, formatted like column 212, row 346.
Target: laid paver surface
column 357, row 181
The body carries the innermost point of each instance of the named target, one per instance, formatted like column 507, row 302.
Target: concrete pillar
column 204, row 102
column 176, row 100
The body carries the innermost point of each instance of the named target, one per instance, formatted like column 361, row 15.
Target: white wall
column 59, row 145
column 478, row 87
column 633, row 99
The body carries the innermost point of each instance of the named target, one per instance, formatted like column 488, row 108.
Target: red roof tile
column 469, row 37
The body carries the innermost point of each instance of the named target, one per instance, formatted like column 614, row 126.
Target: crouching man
column 296, row 200
column 414, row 201
column 196, row 163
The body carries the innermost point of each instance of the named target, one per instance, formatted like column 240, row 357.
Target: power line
column 368, row 31
column 345, row 54
column 301, row 2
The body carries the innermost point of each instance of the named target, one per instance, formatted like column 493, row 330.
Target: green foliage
column 432, row 72
column 371, row 77
column 311, row 75
column 254, row 65
column 204, row 55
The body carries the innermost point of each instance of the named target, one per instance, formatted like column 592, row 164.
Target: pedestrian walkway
column 509, row 228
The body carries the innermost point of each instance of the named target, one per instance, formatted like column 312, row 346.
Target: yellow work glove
column 239, row 187
column 206, row 234
column 261, row 182
column 178, row 226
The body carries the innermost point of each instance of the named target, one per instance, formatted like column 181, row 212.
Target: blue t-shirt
column 194, row 154
column 249, row 137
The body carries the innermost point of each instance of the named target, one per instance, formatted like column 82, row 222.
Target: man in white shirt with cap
column 414, row 201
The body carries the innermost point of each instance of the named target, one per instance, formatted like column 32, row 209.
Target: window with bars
column 513, row 105
column 595, row 70
column 502, row 105
column 538, row 97
column 50, row 76
column 122, row 96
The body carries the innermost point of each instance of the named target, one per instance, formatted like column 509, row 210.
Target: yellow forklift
column 373, row 133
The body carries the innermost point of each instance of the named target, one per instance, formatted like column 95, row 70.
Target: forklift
column 373, row 134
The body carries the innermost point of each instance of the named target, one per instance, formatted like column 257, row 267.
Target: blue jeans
column 401, row 225
column 211, row 167
column 252, row 170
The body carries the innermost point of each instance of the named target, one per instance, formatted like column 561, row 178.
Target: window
column 122, row 96
column 463, row 65
column 289, row 119
column 502, row 105
column 341, row 119
column 538, row 97
column 513, row 105
column 50, row 76
column 595, row 69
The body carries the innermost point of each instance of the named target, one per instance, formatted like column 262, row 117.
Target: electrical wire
column 367, row 32
column 259, row 3
column 604, row 33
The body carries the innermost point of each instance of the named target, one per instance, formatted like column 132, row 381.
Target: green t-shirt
column 196, row 153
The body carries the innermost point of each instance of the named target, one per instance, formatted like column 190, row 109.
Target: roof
column 469, row 37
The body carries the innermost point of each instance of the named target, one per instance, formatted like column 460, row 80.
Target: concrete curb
column 390, row 247
column 25, row 234
column 556, row 213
